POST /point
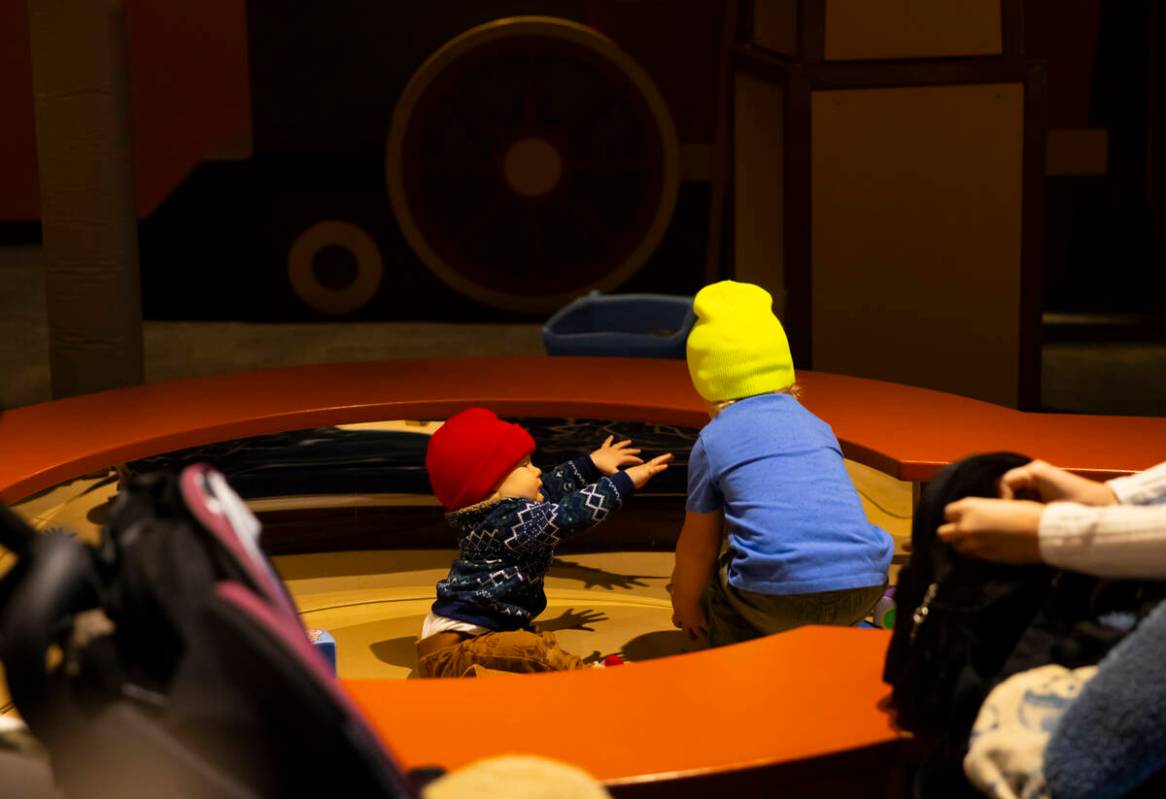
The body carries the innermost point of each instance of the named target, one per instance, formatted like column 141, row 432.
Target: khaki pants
column 735, row 615
column 517, row 652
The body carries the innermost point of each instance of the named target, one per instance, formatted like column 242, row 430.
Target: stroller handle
column 15, row 533
column 57, row 581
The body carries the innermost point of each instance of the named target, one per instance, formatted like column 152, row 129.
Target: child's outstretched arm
column 574, row 474
column 610, row 456
column 696, row 555
column 569, row 477
column 544, row 524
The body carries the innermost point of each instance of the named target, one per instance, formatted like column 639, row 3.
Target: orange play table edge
column 908, row 433
column 782, row 699
column 803, row 694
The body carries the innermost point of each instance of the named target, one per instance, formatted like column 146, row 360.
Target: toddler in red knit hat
column 510, row 516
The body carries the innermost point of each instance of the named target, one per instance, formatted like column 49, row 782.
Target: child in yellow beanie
column 768, row 474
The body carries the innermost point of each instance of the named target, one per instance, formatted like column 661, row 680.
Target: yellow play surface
column 373, row 602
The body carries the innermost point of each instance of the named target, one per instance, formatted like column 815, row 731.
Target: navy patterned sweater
column 505, row 546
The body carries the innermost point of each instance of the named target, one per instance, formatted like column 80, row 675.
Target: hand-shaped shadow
column 591, row 577
column 570, row 620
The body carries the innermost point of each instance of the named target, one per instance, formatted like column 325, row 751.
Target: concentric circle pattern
column 530, row 160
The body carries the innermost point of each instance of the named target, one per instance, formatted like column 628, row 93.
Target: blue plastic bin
column 628, row 325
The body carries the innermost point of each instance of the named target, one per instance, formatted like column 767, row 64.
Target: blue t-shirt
column 795, row 522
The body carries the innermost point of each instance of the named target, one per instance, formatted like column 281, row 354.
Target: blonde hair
column 793, row 389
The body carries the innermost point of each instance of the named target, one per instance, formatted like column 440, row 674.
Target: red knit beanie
column 471, row 453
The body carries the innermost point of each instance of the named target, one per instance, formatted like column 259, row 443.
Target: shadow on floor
column 400, row 652
column 572, row 620
column 658, row 644
column 593, row 577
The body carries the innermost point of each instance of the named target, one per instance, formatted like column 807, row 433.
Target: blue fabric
column 1113, row 738
column 505, row 547
column 326, row 645
column 795, row 522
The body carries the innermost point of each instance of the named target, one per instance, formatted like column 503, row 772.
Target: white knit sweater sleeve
column 1108, row 541
column 1143, row 488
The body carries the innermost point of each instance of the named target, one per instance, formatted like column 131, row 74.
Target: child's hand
column 646, row 471
column 609, row 457
column 690, row 618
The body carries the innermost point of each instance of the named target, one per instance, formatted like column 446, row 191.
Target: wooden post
column 89, row 223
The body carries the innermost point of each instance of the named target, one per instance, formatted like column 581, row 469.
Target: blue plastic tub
column 629, row 325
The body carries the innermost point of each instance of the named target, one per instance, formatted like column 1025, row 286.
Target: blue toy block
column 325, row 644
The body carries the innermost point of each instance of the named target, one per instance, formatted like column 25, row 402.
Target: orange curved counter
column 806, row 697
column 801, row 696
column 908, row 433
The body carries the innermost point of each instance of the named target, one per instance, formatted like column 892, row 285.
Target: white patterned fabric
column 435, row 624
column 1006, row 751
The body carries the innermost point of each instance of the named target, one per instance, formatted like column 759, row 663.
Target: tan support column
column 85, row 155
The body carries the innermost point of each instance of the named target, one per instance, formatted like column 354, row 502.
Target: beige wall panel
column 857, row 29
column 916, row 240
column 757, row 185
column 775, row 25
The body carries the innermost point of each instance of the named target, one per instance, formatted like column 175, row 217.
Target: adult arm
column 1052, row 484
column 1111, row 529
column 1143, row 488
column 1127, row 541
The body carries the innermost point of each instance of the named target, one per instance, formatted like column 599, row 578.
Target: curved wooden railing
column 808, row 697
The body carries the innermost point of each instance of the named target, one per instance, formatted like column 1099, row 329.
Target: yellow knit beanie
column 737, row 348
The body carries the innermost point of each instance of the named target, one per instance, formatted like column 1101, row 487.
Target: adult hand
column 646, row 471
column 1002, row 530
column 1052, row 484
column 609, row 457
column 690, row 618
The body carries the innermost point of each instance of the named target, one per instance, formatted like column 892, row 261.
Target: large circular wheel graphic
column 530, row 160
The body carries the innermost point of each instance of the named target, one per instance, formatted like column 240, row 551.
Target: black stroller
column 170, row 661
